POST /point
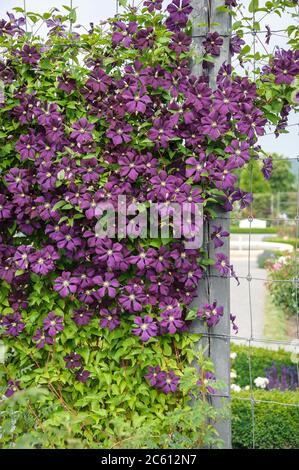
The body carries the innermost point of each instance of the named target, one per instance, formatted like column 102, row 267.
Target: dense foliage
column 276, row 425
column 282, row 285
column 103, row 325
column 261, row 363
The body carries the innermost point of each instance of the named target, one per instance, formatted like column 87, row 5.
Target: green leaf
column 61, row 175
column 73, row 16
column 253, row 6
column 58, row 205
column 191, row 315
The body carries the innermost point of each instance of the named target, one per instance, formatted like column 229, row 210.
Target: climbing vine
column 100, row 349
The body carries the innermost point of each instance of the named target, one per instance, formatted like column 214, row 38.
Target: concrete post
column 215, row 288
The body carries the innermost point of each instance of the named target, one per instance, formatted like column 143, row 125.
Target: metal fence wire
column 249, row 339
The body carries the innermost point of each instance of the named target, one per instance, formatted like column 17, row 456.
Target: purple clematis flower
column 66, row 284
column 108, row 285
column 143, row 259
column 226, row 100
column 30, row 55
column 27, row 146
column 217, row 234
column 41, row 339
column 162, row 132
column 90, row 171
column 73, row 361
column 53, row 324
column 163, row 184
column 153, row 375
column 212, row 44
column 67, row 238
column 153, row 5
column 267, row 167
column 191, row 276
column 87, row 295
column 239, row 152
column 17, row 180
column 13, row 324
column 47, row 176
column 109, row 318
column 222, row 264
column 67, row 84
column 119, row 133
column 82, row 131
column 178, row 10
column 131, row 166
column 5, row 208
column 285, row 66
column 210, row 313
column 42, row 262
column 145, row 328
column 251, row 121
column 109, row 253
column 196, row 167
column 168, row 382
column 54, row 129
column 161, row 259
column 99, row 81
column 172, row 320
column 124, row 34
column 214, row 125
column 13, row 387
column 236, row 44
column 82, row 375
column 145, row 38
column 82, row 316
column 180, row 42
column 22, row 256
column 136, row 99
column 133, row 298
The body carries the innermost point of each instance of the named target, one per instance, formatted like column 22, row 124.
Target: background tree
column 282, row 179
column 259, row 184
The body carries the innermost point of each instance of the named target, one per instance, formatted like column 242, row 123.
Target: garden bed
column 275, row 412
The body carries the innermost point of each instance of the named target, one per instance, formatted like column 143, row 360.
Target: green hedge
column 253, row 230
column 261, row 359
column 276, row 426
column 288, row 241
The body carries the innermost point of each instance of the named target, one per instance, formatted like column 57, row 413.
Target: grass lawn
column 253, row 230
column 288, row 241
column 277, row 324
column 275, row 321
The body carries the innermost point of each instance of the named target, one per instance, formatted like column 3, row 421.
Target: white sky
column 97, row 10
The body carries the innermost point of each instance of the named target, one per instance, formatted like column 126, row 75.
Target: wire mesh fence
column 251, row 340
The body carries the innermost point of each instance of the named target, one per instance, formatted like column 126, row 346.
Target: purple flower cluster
column 179, row 11
column 148, row 131
column 74, row 361
column 212, row 44
column 211, row 314
column 206, row 380
column 284, row 66
column 13, row 387
column 52, row 325
column 282, row 378
column 166, row 382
